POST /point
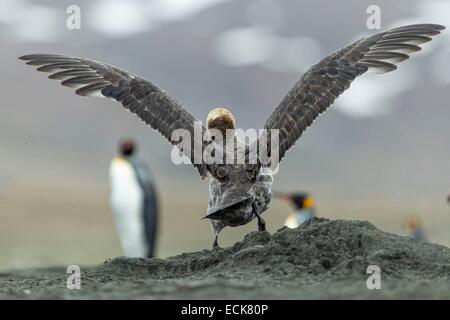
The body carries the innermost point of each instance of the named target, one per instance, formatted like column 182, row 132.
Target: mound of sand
column 320, row 259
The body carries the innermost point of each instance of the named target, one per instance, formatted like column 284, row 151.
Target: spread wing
column 141, row 97
column 324, row 82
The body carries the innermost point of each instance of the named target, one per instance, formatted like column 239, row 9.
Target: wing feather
column 319, row 87
column 142, row 97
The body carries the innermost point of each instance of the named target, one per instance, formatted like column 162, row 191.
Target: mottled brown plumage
column 141, row 97
column 324, row 82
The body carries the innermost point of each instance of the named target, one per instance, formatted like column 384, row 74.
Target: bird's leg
column 216, row 227
column 215, row 243
column 261, row 222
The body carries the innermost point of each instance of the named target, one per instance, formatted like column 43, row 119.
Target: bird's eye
column 221, row 172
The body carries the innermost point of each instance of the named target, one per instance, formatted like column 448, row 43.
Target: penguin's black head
column 299, row 200
column 127, row 147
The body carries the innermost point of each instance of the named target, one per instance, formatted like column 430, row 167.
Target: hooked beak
column 228, row 205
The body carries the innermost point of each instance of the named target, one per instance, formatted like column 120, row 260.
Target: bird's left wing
column 324, row 82
column 141, row 97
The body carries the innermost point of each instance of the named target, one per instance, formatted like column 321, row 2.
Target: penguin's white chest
column 127, row 200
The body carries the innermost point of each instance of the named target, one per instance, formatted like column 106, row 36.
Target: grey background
column 379, row 154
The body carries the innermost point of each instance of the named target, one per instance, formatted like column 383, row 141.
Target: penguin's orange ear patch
column 308, row 202
column 411, row 223
column 119, row 159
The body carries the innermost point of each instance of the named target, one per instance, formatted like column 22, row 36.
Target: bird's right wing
column 324, row 82
column 142, row 97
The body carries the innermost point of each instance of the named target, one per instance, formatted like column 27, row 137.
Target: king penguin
column 134, row 202
column 413, row 228
column 303, row 204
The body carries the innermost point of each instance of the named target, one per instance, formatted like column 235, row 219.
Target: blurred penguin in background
column 303, row 204
column 413, row 228
column 134, row 202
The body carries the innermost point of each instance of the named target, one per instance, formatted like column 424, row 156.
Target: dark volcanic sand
column 320, row 259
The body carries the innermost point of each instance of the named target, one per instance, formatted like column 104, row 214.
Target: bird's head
column 233, row 190
column 299, row 200
column 220, row 119
column 306, row 200
column 127, row 147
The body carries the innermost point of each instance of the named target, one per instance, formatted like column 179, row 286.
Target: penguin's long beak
column 282, row 196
